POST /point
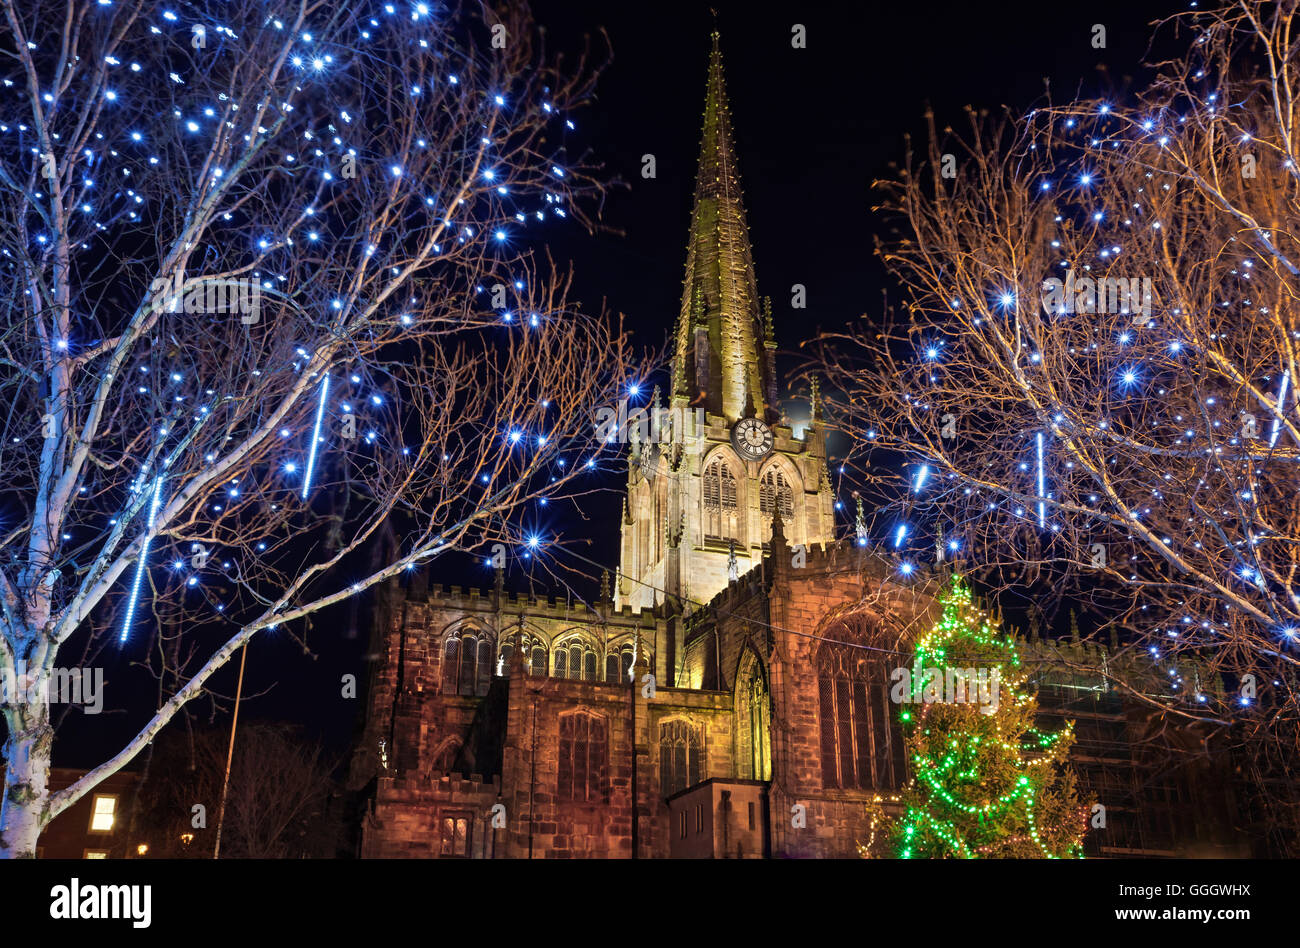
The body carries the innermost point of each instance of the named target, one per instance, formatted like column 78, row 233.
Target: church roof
column 719, row 293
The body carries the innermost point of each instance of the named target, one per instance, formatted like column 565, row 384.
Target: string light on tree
column 986, row 782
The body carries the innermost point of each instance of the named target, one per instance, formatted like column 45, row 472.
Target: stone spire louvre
column 717, row 346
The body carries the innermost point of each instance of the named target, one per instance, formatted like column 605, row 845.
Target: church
column 727, row 696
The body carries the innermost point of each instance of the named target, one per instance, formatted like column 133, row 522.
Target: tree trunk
column 27, row 770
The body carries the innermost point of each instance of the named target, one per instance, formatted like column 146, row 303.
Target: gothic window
column 645, row 530
column 445, row 762
column 455, row 835
column 575, row 659
column 535, row 656
column 450, row 665
column 721, row 508
column 658, row 526
column 773, row 489
column 753, row 722
column 681, row 756
column 584, row 755
column 466, row 663
column 618, row 665
column 861, row 743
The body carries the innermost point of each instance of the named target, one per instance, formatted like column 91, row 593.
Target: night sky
column 814, row 128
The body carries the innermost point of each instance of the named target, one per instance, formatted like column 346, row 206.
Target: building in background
column 97, row 825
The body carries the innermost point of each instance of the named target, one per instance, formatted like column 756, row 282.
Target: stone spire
column 719, row 351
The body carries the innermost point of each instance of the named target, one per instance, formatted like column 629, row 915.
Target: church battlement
column 453, row 597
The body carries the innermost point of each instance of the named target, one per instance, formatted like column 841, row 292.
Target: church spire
column 719, row 358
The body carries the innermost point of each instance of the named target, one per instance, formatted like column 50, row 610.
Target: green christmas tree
column 985, row 782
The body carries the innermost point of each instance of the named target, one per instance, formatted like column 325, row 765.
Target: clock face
column 752, row 438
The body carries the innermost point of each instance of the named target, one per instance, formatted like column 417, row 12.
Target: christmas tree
column 985, row 782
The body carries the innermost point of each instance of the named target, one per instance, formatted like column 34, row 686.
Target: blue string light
column 1042, row 493
column 315, row 437
column 1281, row 406
column 144, row 557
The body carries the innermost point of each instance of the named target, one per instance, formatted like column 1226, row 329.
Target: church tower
column 708, row 471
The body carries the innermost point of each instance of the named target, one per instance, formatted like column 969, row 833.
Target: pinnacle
column 719, row 289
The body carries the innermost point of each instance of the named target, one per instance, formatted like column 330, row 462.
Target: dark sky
column 814, row 128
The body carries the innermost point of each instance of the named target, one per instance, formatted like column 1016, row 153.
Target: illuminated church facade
column 726, row 696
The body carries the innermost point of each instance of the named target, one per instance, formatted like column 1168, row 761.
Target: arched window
column 535, row 657
column 618, row 665
column 645, row 529
column 466, row 663
column 575, row 659
column 773, row 489
column 445, row 762
column 681, row 756
column 660, row 525
column 753, row 721
column 584, row 758
column 721, row 508
column 861, row 742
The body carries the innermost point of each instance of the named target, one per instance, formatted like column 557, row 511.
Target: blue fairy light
column 1042, row 489
column 144, row 559
column 315, row 439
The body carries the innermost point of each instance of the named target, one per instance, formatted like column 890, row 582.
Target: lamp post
column 230, row 751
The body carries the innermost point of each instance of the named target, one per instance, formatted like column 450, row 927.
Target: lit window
column 103, row 812
column 96, row 853
column 575, row 660
column 681, row 756
column 455, row 834
column 721, row 510
column 466, row 664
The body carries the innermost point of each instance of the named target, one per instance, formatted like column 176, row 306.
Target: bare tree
column 1093, row 380
column 257, row 256
column 276, row 806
